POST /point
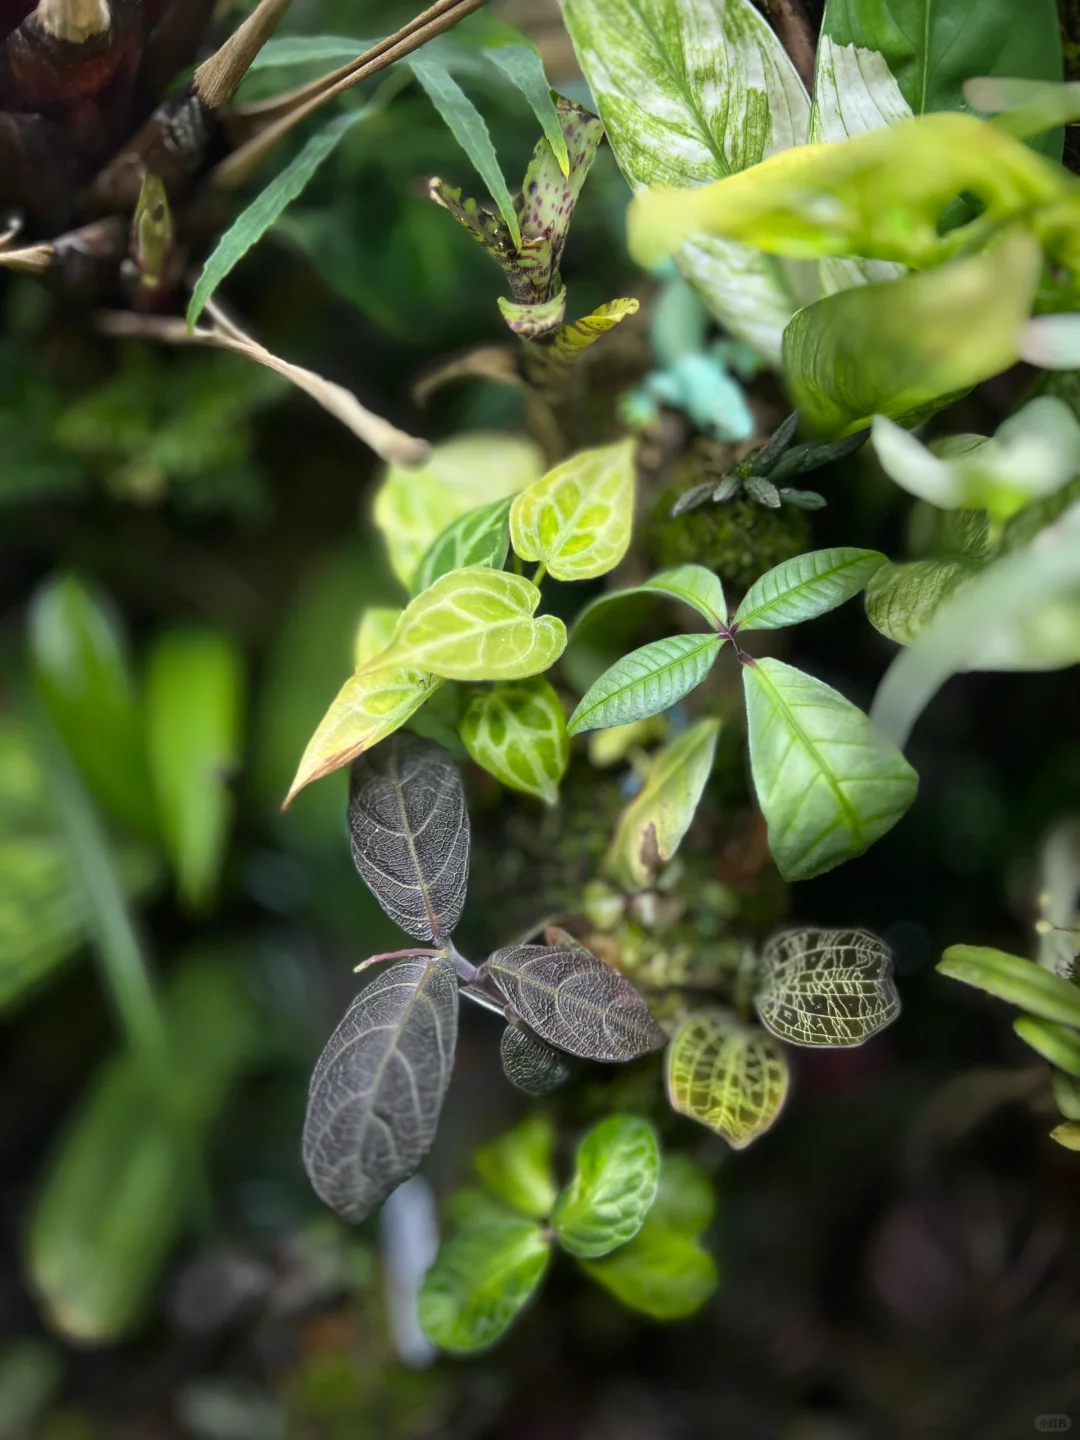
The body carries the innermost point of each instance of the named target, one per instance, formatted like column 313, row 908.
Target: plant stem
column 539, row 573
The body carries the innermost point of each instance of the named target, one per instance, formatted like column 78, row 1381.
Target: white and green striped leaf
column 646, row 682
column 479, row 537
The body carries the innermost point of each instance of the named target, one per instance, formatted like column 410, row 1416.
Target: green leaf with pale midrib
column 692, row 584
column 479, row 537
column 646, row 682
column 806, row 586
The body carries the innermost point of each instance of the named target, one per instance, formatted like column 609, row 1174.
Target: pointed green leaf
column 476, row 624
column 902, row 599
column 467, row 126
column 660, row 1273
column 520, row 1167
column 616, row 1172
column 692, row 583
column 689, row 91
column 825, row 987
column 1021, row 982
column 731, row 1077
column 473, row 1208
column 646, row 682
column 479, row 537
column 284, row 50
column 576, row 519
column 374, row 633
column 805, row 587
column 1057, row 1043
column 414, row 507
column 479, row 1283
column 523, row 67
column 827, row 782
column 517, row 732
column 1067, row 1134
column 652, row 826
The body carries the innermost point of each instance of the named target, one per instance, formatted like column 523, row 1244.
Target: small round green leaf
column 614, row 1186
column 826, row 987
column 1020, row 982
column 576, row 519
column 728, row 1076
column 661, row 1273
column 517, row 732
column 480, row 1281
column 646, row 682
column 519, row 1166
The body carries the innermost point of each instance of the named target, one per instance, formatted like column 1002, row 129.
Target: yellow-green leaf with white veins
column 730, row 1077
column 576, row 519
column 517, row 732
column 374, row 633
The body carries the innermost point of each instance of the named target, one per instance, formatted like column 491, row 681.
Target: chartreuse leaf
column 480, row 1281
column 476, row 624
column 825, row 987
column 1021, row 982
column 83, row 675
column 616, row 1173
column 690, row 91
column 374, row 633
column 572, row 339
column 685, row 1199
column 902, row 349
column 517, row 732
column 1060, row 1044
column 414, row 507
column 1067, row 1134
column 523, row 67
column 652, row 826
column 194, row 699
column 520, row 1167
column 806, row 586
column 902, row 599
column 827, row 782
column 728, row 1076
column 531, row 1064
column 576, row 519
column 467, row 126
column 1066, row 1094
column 693, row 584
column 474, row 1208
column 660, row 1273
column 377, row 1091
column 114, row 1199
column 372, row 704
column 479, row 537
column 409, row 831
column 646, row 682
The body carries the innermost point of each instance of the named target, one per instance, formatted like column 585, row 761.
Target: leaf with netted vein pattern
column 728, row 1076
column 410, row 834
column 826, row 987
column 531, row 1064
column 379, row 1086
column 576, row 1002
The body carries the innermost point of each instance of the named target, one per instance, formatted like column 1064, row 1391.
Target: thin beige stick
column 217, row 79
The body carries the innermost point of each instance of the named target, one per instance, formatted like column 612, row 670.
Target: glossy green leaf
column 902, row 349
column 479, row 1283
column 1021, row 982
column 652, row 826
column 372, row 704
column 477, row 624
column 523, row 67
column 660, row 1273
column 685, row 1199
column 517, row 732
column 616, row 1173
column 646, row 682
column 374, row 633
column 825, row 987
column 115, row 1194
column 806, row 586
column 284, row 50
column 467, row 126
column 695, row 585
column 1057, row 1043
column 730, row 1077
column 902, row 599
column 1022, row 612
column 576, row 519
column 827, row 782
column 519, row 1167
column 689, row 91
column 474, row 1208
column 83, row 676
column 479, row 537
column 414, row 507
column 194, row 701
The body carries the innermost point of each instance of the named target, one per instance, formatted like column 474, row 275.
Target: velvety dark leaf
column 575, row 1002
column 379, row 1086
column 410, row 834
column 530, row 1064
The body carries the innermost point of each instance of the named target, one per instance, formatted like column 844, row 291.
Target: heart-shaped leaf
column 517, row 732
column 480, row 1281
column 806, row 586
column 479, row 537
column 646, row 682
column 410, row 834
column 691, row 583
column 728, row 1076
column 616, row 1173
column 826, row 987
column 530, row 1064
column 575, row 1002
column 519, row 1167
column 576, row 519
column 652, row 826
column 379, row 1086
column 1020, row 982
column 828, row 782
column 476, row 624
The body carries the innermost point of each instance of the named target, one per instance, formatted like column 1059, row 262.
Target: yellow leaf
column 576, row 519
column 728, row 1076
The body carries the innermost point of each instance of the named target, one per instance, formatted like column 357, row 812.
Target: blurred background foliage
column 185, row 552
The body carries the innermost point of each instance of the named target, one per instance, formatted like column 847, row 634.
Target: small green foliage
column 1020, row 982
column 517, row 732
column 479, row 1283
column 616, row 1173
column 728, row 1076
column 519, row 1167
column 1057, row 1043
column 739, row 540
column 576, row 519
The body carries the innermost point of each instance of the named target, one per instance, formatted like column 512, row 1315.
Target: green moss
column 738, row 539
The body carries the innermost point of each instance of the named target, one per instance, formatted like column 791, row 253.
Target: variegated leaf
column 826, row 987
column 576, row 519
column 517, row 732
column 479, row 537
column 374, row 633
column 731, row 1077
